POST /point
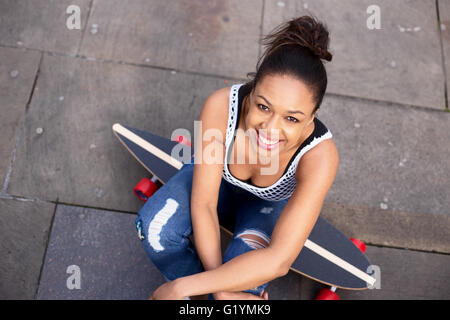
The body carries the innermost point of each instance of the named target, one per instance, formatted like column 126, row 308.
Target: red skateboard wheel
column 361, row 246
column 145, row 188
column 327, row 294
column 183, row 140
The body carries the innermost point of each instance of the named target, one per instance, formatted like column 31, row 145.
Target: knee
column 155, row 231
column 255, row 239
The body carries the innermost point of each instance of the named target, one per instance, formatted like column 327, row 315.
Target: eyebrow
column 290, row 111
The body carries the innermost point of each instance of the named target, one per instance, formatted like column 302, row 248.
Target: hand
column 167, row 291
column 241, row 296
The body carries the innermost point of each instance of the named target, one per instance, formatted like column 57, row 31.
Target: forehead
column 286, row 92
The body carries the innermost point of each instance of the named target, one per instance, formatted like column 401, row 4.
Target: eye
column 292, row 119
column 263, row 107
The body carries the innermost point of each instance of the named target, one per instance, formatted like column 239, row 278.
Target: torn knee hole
column 254, row 239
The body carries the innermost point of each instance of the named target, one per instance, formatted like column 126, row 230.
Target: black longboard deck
column 328, row 256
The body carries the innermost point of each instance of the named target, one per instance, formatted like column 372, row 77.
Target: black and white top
column 284, row 187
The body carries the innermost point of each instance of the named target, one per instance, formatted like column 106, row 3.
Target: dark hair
column 296, row 48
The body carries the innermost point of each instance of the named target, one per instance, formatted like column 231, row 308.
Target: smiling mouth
column 267, row 143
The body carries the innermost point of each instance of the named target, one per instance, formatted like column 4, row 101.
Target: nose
column 271, row 127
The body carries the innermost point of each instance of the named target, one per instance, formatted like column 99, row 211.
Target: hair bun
column 304, row 31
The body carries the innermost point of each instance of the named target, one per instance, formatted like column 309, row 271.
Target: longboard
column 328, row 256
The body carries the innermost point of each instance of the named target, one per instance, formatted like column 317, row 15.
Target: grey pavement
column 66, row 183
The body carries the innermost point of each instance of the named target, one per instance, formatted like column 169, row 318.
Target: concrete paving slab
column 104, row 246
column 401, row 62
column 18, row 70
column 24, row 232
column 68, row 150
column 391, row 157
column 41, row 24
column 403, row 275
column 199, row 36
column 400, row 229
column 409, row 275
column 444, row 15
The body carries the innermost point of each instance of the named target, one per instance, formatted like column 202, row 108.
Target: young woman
column 271, row 119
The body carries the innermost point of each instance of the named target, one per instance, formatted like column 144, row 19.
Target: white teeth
column 267, row 141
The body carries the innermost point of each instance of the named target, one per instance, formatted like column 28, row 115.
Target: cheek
column 293, row 134
column 252, row 117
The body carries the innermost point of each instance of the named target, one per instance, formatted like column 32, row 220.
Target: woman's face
column 279, row 114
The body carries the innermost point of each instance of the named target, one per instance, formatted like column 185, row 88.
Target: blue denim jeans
column 164, row 225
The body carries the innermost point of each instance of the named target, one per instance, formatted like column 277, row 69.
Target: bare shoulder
column 323, row 159
column 218, row 100
column 208, row 174
column 214, row 113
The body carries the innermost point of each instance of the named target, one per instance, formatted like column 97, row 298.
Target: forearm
column 206, row 230
column 244, row 272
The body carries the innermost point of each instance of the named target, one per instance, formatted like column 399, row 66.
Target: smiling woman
column 286, row 91
column 271, row 212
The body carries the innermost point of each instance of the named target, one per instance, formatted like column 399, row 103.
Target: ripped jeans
column 164, row 225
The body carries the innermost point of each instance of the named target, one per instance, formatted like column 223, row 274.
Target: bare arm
column 315, row 175
column 206, row 180
column 243, row 272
